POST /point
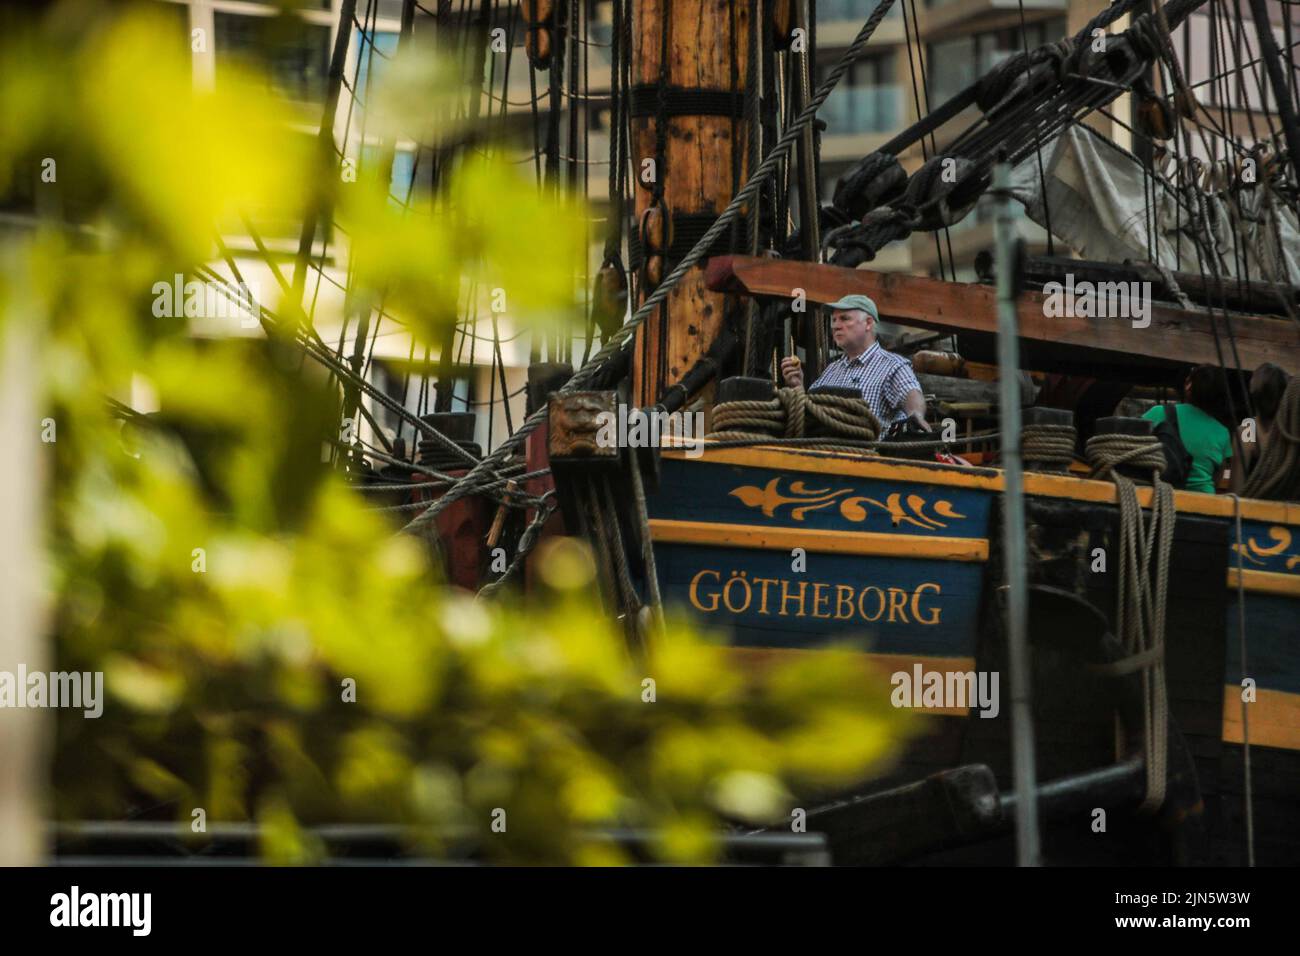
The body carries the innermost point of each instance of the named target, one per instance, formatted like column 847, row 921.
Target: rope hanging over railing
column 1143, row 588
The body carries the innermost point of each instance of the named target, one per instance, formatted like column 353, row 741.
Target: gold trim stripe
column 876, row 544
column 1274, row 718
column 872, row 543
column 988, row 479
column 1266, row 582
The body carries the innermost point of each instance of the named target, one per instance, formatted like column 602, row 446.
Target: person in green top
column 1205, row 437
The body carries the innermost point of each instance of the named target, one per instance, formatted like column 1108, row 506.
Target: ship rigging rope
column 1007, row 125
column 483, row 470
column 908, row 29
column 1143, row 588
column 308, row 340
column 1157, row 29
column 526, row 542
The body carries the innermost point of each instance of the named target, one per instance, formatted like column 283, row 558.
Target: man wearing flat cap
column 886, row 380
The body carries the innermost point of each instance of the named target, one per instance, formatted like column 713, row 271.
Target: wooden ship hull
column 903, row 566
column 786, row 550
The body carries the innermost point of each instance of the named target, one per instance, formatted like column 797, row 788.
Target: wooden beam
column 871, row 543
column 1173, row 338
column 1251, row 295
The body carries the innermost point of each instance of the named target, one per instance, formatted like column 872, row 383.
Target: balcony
column 853, row 110
column 838, row 23
column 832, row 11
column 944, row 18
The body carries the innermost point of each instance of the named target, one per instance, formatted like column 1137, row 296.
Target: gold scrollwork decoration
column 770, row 498
column 1256, row 553
column 911, row 509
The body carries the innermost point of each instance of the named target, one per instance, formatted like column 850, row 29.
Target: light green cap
column 857, row 302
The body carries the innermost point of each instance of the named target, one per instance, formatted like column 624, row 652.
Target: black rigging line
column 916, row 98
column 1239, row 254
column 1243, row 269
column 350, row 402
column 1210, row 252
column 537, row 129
column 934, row 147
column 1038, row 145
column 586, row 11
column 559, row 38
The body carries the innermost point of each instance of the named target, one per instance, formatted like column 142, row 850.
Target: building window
column 293, row 54
column 373, row 53
column 957, row 63
column 409, row 176
column 1210, row 67
column 414, row 386
column 867, row 100
column 856, row 11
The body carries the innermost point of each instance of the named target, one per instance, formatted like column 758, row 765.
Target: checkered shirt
column 883, row 378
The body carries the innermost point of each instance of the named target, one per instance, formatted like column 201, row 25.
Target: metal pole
column 1013, row 529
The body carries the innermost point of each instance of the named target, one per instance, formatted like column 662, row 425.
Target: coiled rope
column 1106, row 452
column 791, row 414
column 1048, row 447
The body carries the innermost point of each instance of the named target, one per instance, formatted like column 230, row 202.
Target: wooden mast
column 706, row 43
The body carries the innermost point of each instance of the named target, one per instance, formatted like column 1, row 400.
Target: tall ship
column 1025, row 543
column 1098, row 642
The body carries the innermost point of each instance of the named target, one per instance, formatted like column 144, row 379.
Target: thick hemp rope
column 1048, row 447
column 1105, row 452
column 790, row 415
column 1143, row 588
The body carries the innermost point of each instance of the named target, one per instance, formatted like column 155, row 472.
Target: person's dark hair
column 1267, row 383
column 1205, row 389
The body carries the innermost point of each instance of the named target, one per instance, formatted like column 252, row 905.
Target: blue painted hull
column 893, row 565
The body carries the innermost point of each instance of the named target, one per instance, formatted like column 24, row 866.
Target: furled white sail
column 1097, row 199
